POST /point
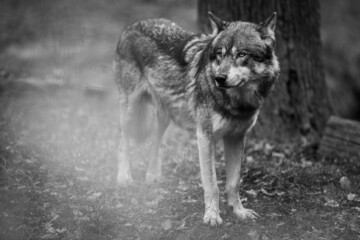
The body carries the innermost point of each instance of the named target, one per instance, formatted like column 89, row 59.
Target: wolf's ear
column 267, row 28
column 217, row 24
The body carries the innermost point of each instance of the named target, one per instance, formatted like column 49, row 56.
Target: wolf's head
column 242, row 54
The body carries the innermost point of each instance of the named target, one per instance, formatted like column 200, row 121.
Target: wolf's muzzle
column 220, row 80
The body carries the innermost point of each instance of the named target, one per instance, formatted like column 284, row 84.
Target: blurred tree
column 299, row 103
column 341, row 54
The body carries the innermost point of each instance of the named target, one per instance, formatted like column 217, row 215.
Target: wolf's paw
column 124, row 180
column 153, row 178
column 244, row 213
column 212, row 217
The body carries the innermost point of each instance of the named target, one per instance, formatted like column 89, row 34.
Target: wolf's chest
column 222, row 126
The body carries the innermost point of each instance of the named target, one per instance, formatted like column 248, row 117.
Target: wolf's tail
column 137, row 112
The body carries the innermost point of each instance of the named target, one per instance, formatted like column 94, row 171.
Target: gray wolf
column 213, row 84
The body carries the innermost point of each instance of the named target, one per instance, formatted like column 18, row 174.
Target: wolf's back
column 148, row 46
column 147, row 40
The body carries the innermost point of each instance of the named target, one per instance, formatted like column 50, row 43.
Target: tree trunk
column 341, row 138
column 299, row 102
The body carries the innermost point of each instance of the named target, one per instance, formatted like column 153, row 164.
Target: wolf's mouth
column 225, row 86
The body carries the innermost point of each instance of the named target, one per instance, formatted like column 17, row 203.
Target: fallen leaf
column 305, row 163
column 31, row 161
column 264, row 237
column 351, row 196
column 227, row 224
column 345, row 183
column 119, row 205
column 266, row 192
column 182, row 226
column 134, row 201
column 273, row 215
column 252, row 193
column 162, row 191
column 253, row 235
column 49, row 228
column 279, row 224
column 268, row 148
column 332, row 203
column 79, row 169
column 94, row 195
column 250, row 159
column 183, row 186
column 83, row 179
column 85, row 218
column 225, row 236
column 190, row 200
column 61, row 230
column 357, row 208
column 55, row 216
column 166, row 225
column 257, row 146
column 278, row 155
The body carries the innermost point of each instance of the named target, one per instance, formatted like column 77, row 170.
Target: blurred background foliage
column 73, row 41
column 340, row 34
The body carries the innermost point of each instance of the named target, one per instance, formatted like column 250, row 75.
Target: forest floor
column 59, row 136
column 58, row 168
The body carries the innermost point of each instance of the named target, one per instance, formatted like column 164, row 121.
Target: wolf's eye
column 219, row 52
column 241, row 54
column 258, row 59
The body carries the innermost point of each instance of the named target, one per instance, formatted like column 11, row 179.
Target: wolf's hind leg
column 153, row 173
column 136, row 120
column 124, row 176
column 234, row 154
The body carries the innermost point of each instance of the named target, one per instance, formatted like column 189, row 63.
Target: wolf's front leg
column 208, row 176
column 234, row 154
column 153, row 173
column 124, row 176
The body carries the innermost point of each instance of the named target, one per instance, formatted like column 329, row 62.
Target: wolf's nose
column 220, row 79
